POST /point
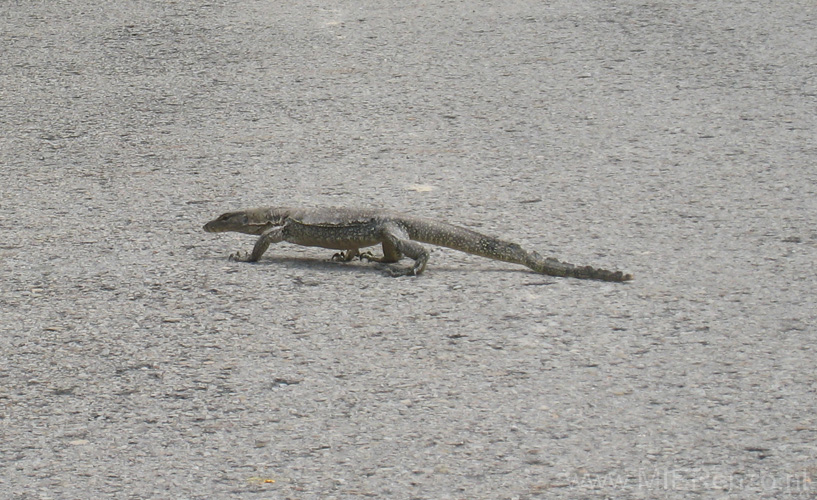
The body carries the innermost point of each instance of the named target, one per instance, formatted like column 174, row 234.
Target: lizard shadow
column 322, row 264
column 325, row 264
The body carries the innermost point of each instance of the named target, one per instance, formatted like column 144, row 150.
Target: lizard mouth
column 211, row 228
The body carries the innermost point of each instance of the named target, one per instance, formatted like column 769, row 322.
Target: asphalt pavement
column 673, row 140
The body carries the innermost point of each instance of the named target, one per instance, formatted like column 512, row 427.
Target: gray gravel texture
column 675, row 140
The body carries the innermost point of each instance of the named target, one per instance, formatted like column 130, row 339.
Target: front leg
column 272, row 235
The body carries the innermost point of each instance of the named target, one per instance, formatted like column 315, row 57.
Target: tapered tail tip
column 604, row 275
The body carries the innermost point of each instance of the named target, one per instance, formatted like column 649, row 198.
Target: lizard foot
column 396, row 272
column 239, row 257
column 369, row 256
column 346, row 256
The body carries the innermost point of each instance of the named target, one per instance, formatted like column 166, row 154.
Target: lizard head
column 252, row 221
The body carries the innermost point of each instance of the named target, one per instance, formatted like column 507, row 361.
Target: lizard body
column 350, row 230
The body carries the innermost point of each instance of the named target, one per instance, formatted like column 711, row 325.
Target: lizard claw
column 398, row 272
column 346, row 256
column 369, row 256
column 239, row 257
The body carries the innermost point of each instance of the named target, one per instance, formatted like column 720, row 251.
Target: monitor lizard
column 350, row 230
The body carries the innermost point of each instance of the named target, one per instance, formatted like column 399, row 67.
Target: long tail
column 555, row 267
column 465, row 240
